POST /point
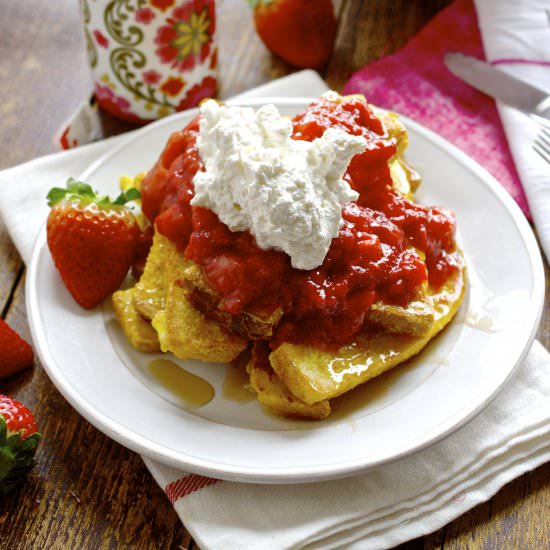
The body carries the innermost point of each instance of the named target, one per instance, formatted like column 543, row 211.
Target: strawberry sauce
column 370, row 260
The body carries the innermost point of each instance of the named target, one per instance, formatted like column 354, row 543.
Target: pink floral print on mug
column 151, row 58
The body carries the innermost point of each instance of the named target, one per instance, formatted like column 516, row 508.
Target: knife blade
column 500, row 85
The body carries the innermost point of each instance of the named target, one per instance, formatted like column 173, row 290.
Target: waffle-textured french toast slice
column 315, row 375
column 273, row 394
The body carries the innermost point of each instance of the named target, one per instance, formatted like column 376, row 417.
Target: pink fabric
column 415, row 82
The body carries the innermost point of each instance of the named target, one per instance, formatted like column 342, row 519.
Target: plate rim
column 287, row 474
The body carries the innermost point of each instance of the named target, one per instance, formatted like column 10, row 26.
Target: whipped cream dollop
column 288, row 193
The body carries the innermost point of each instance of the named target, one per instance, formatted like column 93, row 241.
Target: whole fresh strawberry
column 15, row 353
column 92, row 240
column 18, row 440
column 300, row 31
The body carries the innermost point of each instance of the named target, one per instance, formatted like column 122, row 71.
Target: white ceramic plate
column 109, row 383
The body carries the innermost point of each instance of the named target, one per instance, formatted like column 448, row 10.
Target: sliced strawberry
column 92, row 240
column 15, row 353
column 300, row 31
column 18, row 440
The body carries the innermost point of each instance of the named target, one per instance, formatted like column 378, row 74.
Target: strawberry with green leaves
column 15, row 353
column 92, row 240
column 18, row 440
column 300, row 31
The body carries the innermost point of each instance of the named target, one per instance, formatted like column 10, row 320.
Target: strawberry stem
column 16, row 455
column 82, row 191
column 129, row 195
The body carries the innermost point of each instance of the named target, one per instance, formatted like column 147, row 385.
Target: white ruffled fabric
column 379, row 509
column 516, row 36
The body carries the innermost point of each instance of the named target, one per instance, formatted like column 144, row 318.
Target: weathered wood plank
column 244, row 61
column 86, row 491
column 516, row 517
column 10, row 267
column 71, row 499
column 369, row 30
column 43, row 75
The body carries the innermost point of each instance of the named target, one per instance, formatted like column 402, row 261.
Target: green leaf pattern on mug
column 117, row 16
column 124, row 63
column 90, row 46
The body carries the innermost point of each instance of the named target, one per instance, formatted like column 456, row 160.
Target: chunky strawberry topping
column 370, row 260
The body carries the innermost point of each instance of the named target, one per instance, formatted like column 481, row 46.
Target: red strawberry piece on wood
column 18, row 440
column 15, row 353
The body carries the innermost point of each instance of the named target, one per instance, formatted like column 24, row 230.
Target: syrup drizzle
column 236, row 385
column 193, row 390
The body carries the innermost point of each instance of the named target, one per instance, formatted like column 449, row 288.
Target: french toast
column 156, row 314
column 415, row 318
column 149, row 294
column 174, row 307
column 315, row 375
column 273, row 394
column 251, row 325
column 188, row 334
column 137, row 329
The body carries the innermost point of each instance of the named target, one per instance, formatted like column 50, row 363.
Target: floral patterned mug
column 150, row 58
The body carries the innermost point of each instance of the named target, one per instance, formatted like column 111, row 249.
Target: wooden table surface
column 86, row 490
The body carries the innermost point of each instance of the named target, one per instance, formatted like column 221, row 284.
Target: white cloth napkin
column 379, row 509
column 516, row 36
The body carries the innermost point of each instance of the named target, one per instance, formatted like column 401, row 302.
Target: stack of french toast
column 174, row 309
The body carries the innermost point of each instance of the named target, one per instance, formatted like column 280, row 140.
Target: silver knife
column 500, row 85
